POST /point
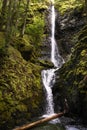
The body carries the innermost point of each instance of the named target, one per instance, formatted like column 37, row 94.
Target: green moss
column 73, row 76
column 82, row 33
column 36, row 30
column 20, row 70
column 35, row 6
column 83, row 53
column 2, row 40
column 46, row 63
column 65, row 5
column 19, row 81
column 22, row 44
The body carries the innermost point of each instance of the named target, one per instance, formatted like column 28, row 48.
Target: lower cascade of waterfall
column 48, row 76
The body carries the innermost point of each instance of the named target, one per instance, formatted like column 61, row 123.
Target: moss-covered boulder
column 20, row 88
column 72, row 83
column 24, row 46
column 46, row 63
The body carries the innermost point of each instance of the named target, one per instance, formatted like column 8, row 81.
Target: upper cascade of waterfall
column 55, row 56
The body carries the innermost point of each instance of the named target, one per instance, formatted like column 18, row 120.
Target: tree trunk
column 25, row 17
column 3, row 13
column 27, row 126
column 9, row 22
column 17, row 15
column 86, row 8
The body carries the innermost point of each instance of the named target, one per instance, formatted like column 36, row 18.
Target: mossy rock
column 72, row 83
column 83, row 33
column 23, row 45
column 20, row 87
column 2, row 39
column 46, row 63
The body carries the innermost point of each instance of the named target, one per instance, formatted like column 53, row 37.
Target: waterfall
column 55, row 56
column 48, row 76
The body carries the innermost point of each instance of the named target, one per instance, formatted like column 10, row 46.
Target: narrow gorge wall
column 71, row 78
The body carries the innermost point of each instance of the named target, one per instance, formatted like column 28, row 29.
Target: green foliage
column 64, row 5
column 20, row 82
column 22, row 44
column 12, row 19
column 20, row 86
column 73, row 76
column 41, row 1
column 35, row 30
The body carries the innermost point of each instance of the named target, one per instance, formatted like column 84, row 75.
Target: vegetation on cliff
column 21, row 34
column 72, row 77
column 66, row 5
column 20, row 88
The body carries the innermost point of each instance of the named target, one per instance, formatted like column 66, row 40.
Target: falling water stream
column 55, row 56
column 48, row 76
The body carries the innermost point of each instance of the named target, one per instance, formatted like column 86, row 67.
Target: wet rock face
column 46, row 45
column 66, row 26
column 71, row 78
column 45, row 49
